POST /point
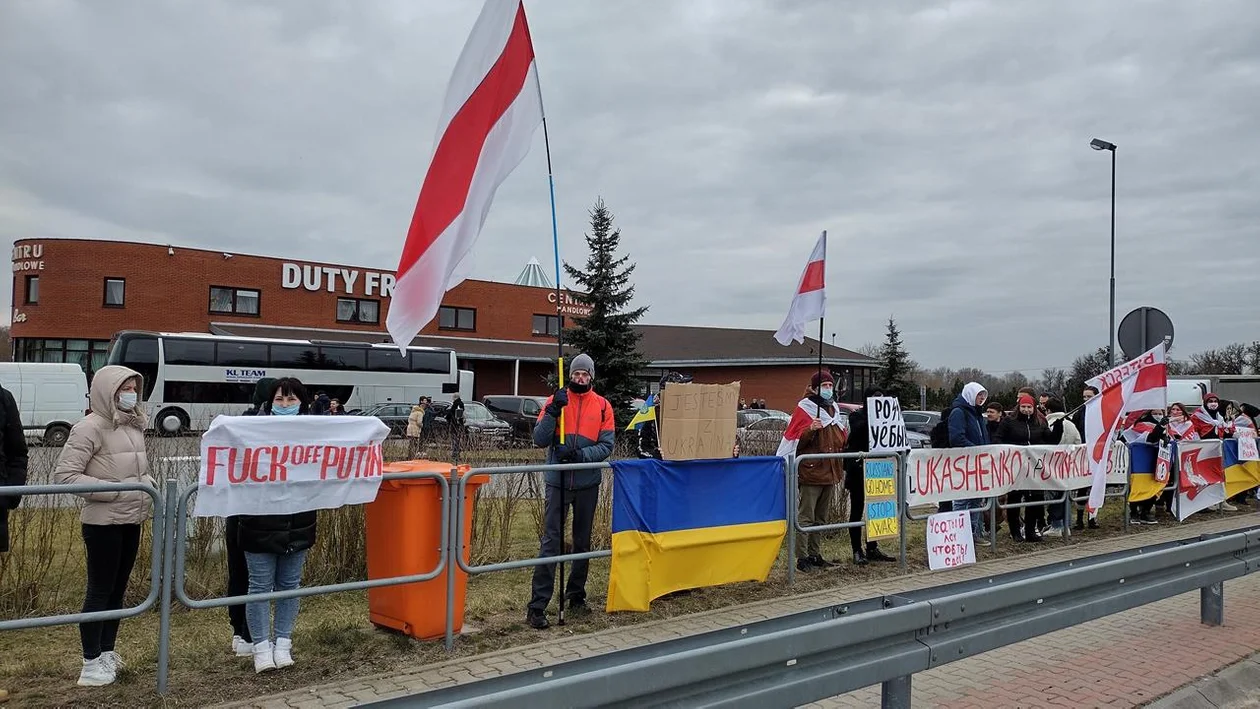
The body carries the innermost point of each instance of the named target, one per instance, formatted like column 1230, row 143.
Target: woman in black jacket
column 1024, row 428
column 275, row 549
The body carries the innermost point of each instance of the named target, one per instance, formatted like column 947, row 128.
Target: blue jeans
column 977, row 518
column 273, row 572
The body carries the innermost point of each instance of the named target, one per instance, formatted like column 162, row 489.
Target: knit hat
column 583, row 363
column 823, row 377
column 1026, row 399
column 1211, row 397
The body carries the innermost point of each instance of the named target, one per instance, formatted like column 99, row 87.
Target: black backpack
column 939, row 437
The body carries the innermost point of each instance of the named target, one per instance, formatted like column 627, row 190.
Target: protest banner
column 881, row 498
column 943, row 475
column 949, row 541
column 698, row 421
column 1163, row 463
column 259, row 465
column 1247, row 449
column 885, row 425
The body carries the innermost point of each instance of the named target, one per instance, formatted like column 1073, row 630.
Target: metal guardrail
column 810, row 656
column 155, row 566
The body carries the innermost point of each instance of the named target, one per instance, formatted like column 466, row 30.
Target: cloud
column 943, row 145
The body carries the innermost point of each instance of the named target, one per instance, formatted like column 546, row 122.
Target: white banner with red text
column 261, row 465
column 944, row 475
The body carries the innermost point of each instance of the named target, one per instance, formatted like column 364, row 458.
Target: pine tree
column 895, row 367
column 608, row 333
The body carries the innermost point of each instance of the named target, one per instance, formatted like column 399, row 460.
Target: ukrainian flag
column 1240, row 476
column 688, row 524
column 1142, row 460
column 646, row 413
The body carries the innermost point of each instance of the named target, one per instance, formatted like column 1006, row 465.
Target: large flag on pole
column 1137, row 385
column 492, row 107
column 811, row 296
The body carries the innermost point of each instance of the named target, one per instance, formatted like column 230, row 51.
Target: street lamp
column 1097, row 144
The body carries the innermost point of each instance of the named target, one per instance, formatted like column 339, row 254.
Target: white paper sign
column 258, row 465
column 1163, row 463
column 1247, row 449
column 949, row 542
column 885, row 425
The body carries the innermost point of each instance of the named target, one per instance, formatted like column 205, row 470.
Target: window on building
column 356, row 310
column 88, row 354
column 450, row 318
column 115, row 292
column 32, row 290
column 547, row 324
column 234, row 301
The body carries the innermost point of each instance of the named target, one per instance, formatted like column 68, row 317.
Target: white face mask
column 127, row 400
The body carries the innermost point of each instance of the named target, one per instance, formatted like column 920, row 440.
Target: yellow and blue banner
column 646, row 413
column 1240, row 476
column 678, row 525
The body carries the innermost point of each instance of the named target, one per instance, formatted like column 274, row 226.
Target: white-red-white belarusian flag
column 492, row 108
column 1137, row 385
column 810, row 300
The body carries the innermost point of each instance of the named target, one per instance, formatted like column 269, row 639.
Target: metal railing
column 810, row 656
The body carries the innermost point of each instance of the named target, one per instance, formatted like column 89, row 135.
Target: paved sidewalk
column 1123, row 660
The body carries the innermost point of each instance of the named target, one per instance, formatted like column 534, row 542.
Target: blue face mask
column 826, row 393
column 285, row 410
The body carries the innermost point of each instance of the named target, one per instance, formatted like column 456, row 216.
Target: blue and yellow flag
column 1240, row 476
column 646, row 413
column 688, row 524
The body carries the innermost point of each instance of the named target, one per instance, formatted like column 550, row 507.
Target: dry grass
column 334, row 640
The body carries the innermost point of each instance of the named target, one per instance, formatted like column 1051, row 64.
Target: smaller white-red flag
column 810, row 301
column 1137, row 385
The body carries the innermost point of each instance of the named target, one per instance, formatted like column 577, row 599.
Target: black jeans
column 857, row 506
column 237, row 578
column 582, row 504
column 1033, row 516
column 111, row 554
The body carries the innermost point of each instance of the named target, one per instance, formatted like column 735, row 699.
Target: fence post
column 1212, row 604
column 168, row 582
column 789, row 503
column 895, row 693
column 454, row 517
column 904, row 459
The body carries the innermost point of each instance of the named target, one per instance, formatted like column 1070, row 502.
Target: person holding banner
column 107, row 446
column 237, row 571
column 1149, row 428
column 275, row 548
column 855, row 481
column 1024, row 428
column 967, row 428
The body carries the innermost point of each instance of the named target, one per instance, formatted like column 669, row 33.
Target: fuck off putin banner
column 258, row 465
column 949, row 474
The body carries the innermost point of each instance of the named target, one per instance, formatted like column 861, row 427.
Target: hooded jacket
column 589, row 426
column 967, row 426
column 415, row 421
column 262, row 393
column 107, row 446
column 1062, row 430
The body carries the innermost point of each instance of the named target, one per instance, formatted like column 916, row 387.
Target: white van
column 51, row 397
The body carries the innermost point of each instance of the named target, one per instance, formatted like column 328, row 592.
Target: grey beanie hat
column 584, row 363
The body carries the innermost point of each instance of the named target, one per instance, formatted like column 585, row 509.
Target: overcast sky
column 944, row 146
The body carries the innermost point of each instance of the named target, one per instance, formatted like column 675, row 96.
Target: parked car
column 479, row 423
column 520, row 412
column 392, row 415
column 921, row 421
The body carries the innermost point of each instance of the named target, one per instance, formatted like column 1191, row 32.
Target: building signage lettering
column 334, row 279
column 29, row 257
column 570, row 305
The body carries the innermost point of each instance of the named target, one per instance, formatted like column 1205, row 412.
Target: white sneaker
column 112, row 660
column 1226, row 507
column 240, row 648
column 284, row 652
column 264, row 660
column 96, row 673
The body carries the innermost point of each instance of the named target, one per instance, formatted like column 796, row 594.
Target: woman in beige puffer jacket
column 107, row 446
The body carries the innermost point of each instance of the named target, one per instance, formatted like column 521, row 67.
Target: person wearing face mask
column 1209, row 420
column 1150, row 427
column 1024, row 428
column 816, row 427
column 855, row 481
column 107, row 446
column 275, row 548
column 967, row 428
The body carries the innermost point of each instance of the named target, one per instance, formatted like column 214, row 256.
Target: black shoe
column 1079, row 526
column 820, row 562
column 859, row 558
column 1016, row 537
column 874, row 553
column 576, row 609
column 1147, row 518
column 1093, row 524
column 537, row 619
column 1033, row 538
column 805, row 565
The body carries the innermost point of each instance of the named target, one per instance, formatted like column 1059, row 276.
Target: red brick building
column 70, row 296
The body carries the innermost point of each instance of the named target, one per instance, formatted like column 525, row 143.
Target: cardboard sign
column 949, row 542
column 885, row 425
column 260, row 465
column 1163, row 463
column 698, row 421
column 943, row 475
column 881, row 499
column 1247, row 449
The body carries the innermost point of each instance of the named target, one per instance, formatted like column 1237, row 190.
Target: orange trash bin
column 403, row 535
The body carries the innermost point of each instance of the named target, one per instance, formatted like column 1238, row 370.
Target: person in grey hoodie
column 107, row 446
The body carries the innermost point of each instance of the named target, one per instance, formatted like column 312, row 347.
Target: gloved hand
column 559, row 400
column 1163, row 421
column 567, row 453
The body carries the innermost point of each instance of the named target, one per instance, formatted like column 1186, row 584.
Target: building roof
column 685, row 346
column 534, row 275
column 664, row 346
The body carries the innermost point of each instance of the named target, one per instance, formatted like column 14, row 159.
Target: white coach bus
column 189, row 378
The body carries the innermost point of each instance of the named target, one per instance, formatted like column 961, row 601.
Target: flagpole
column 820, row 352
column 555, row 247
